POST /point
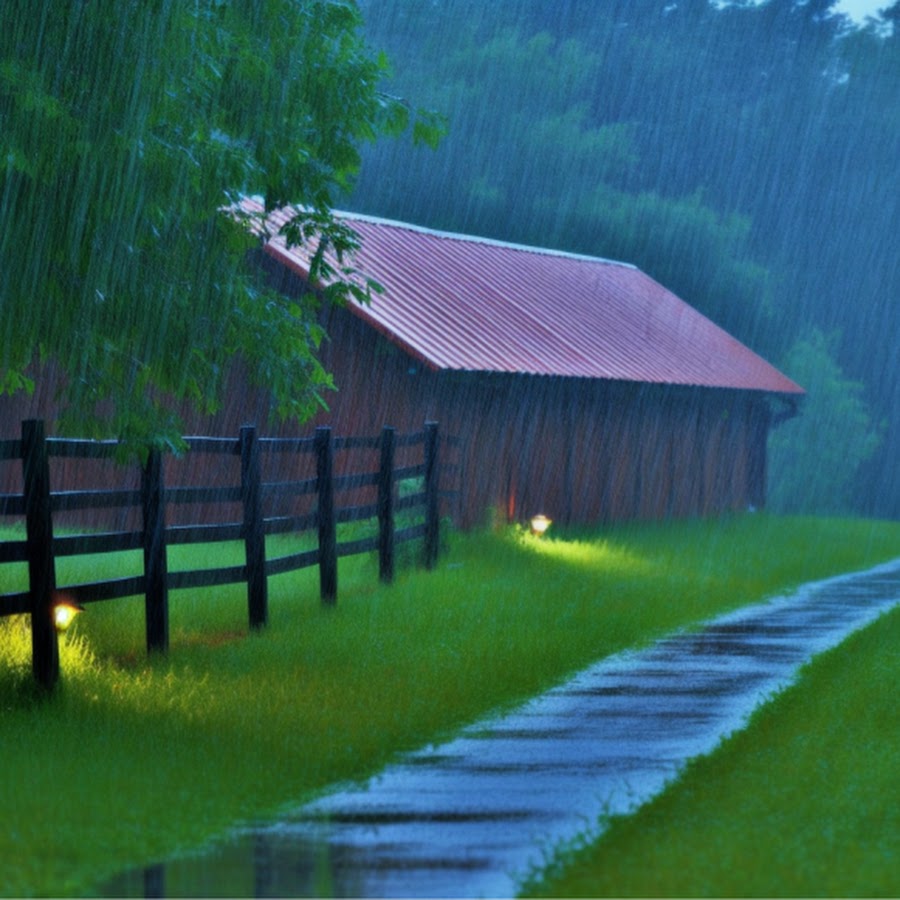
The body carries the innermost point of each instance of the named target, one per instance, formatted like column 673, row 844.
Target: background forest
column 744, row 155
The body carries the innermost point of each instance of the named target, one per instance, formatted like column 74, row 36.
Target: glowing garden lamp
column 539, row 524
column 64, row 612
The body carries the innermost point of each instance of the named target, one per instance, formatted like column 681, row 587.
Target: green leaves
column 815, row 457
column 336, row 243
column 126, row 128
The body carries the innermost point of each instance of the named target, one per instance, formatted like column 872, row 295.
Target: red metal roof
column 463, row 303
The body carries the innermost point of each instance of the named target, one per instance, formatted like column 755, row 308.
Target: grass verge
column 803, row 803
column 136, row 759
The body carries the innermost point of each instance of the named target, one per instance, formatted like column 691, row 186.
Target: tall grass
column 138, row 759
column 803, row 803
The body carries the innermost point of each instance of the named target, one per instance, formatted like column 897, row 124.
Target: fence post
column 326, row 519
column 432, row 507
column 254, row 530
column 386, row 507
column 154, row 881
column 156, row 589
column 39, row 542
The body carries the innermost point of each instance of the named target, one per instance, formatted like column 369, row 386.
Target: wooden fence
column 40, row 548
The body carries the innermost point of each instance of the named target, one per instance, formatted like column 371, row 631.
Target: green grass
column 803, row 803
column 135, row 760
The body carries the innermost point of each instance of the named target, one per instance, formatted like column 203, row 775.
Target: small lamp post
column 539, row 524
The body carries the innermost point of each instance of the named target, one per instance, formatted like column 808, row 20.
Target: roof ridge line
column 480, row 239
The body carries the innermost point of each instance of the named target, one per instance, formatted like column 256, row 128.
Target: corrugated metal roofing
column 463, row 303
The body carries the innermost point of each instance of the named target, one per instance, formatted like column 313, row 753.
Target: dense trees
column 836, row 422
column 125, row 128
column 743, row 154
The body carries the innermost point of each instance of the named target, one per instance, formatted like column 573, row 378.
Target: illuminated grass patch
column 137, row 759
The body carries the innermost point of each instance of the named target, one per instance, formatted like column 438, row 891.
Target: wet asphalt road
column 471, row 817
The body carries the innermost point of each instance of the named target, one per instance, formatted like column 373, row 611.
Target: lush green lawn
column 135, row 760
column 804, row 803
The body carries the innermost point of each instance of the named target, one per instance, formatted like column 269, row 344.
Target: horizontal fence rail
column 256, row 498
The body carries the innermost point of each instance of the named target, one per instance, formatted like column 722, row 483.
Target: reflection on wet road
column 470, row 817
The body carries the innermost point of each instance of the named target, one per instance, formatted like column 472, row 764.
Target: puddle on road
column 471, row 817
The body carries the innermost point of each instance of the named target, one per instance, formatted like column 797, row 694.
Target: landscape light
column 64, row 612
column 539, row 524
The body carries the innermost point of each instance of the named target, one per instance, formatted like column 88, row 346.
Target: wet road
column 470, row 817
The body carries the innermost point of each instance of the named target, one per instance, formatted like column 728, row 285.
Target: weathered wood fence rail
column 40, row 548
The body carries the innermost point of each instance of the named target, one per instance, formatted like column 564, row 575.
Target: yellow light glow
column 539, row 524
column 64, row 612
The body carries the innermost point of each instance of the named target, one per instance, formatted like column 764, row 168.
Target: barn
column 573, row 386
column 563, row 384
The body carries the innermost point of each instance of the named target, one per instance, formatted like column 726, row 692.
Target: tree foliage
column 816, row 456
column 126, row 127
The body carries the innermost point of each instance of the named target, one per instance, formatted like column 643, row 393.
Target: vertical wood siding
column 577, row 450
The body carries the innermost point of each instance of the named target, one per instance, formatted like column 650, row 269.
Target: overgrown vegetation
column 139, row 759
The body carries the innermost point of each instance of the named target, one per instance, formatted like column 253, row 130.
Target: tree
column 127, row 127
column 816, row 457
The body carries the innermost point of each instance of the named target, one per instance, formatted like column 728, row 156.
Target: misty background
column 744, row 155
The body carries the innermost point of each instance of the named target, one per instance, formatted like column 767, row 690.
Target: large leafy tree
column 126, row 128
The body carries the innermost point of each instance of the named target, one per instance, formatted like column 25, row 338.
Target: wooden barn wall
column 576, row 450
column 579, row 451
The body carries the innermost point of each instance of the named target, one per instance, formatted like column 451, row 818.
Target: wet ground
column 471, row 817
